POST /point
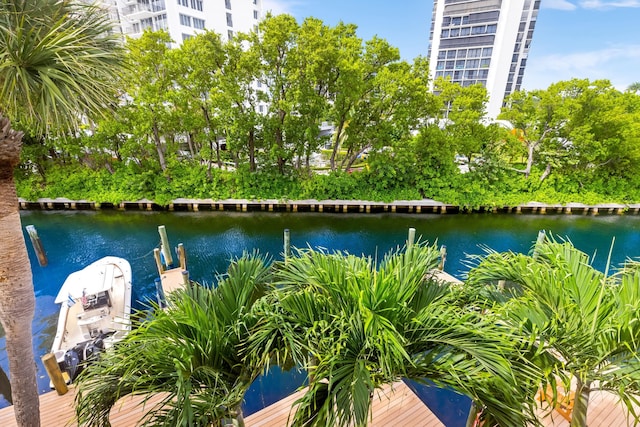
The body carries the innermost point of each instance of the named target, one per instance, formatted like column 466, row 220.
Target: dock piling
column 182, row 256
column 287, row 244
column 37, row 245
column 53, row 370
column 443, row 257
column 411, row 237
column 164, row 246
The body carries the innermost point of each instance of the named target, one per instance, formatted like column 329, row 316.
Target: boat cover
column 94, row 278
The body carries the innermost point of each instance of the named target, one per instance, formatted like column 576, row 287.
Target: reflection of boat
column 95, row 312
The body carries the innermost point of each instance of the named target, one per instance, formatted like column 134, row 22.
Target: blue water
column 74, row 239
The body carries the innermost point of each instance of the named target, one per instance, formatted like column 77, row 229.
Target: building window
column 491, row 29
column 184, row 3
column 442, row 54
column 229, row 20
column 456, row 21
column 136, row 27
column 440, row 65
column 160, row 22
column 462, row 53
column 186, row 36
column 229, row 34
column 227, row 4
column 196, row 4
column 474, row 53
column 465, row 31
column 455, row 32
column 459, row 65
column 484, row 63
column 198, row 23
column 444, row 34
column 480, row 29
column 449, row 65
column 185, row 20
column 446, row 21
column 255, row 14
column 451, row 54
column 146, row 23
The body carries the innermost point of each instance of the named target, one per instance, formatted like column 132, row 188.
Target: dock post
column 185, row 278
column 162, row 301
column 156, row 256
column 164, row 246
column 182, row 256
column 411, row 237
column 37, row 245
column 443, row 257
column 287, row 244
column 51, row 365
column 542, row 236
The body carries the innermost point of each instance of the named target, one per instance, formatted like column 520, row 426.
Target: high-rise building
column 482, row 41
column 183, row 19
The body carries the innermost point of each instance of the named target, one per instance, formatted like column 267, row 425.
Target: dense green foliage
column 581, row 318
column 243, row 119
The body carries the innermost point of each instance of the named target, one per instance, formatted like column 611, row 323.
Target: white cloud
column 559, row 4
column 607, row 4
column 617, row 64
column 589, row 4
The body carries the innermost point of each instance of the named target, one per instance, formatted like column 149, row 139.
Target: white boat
column 94, row 314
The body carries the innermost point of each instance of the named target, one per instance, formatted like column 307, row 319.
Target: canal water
column 74, row 239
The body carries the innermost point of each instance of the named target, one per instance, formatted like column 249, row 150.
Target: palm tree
column 634, row 87
column 583, row 319
column 56, row 62
column 191, row 353
column 355, row 325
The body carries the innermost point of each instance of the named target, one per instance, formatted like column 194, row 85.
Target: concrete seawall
column 425, row 206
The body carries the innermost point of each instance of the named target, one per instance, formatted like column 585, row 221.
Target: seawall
column 425, row 206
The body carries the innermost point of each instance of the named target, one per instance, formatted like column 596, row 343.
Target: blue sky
column 594, row 39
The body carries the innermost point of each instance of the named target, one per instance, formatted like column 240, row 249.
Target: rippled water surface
column 73, row 240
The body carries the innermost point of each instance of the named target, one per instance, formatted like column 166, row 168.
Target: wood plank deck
column 397, row 407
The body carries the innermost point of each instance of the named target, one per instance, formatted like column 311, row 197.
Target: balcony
column 141, row 10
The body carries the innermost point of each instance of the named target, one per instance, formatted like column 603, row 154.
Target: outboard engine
column 76, row 358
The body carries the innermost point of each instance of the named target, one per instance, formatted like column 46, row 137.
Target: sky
column 593, row 39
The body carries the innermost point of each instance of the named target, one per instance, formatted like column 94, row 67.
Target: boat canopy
column 91, row 280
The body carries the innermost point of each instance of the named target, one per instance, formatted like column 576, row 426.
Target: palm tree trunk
column 580, row 404
column 17, row 300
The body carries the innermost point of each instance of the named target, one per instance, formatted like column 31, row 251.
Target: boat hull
column 95, row 313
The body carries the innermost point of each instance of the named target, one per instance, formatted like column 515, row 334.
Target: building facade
column 482, row 41
column 182, row 19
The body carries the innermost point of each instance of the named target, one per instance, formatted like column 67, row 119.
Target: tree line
column 255, row 104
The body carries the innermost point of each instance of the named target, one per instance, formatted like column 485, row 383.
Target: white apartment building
column 482, row 41
column 183, row 19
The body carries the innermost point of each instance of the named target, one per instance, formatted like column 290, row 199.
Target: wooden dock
column 397, row 406
column 424, row 206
